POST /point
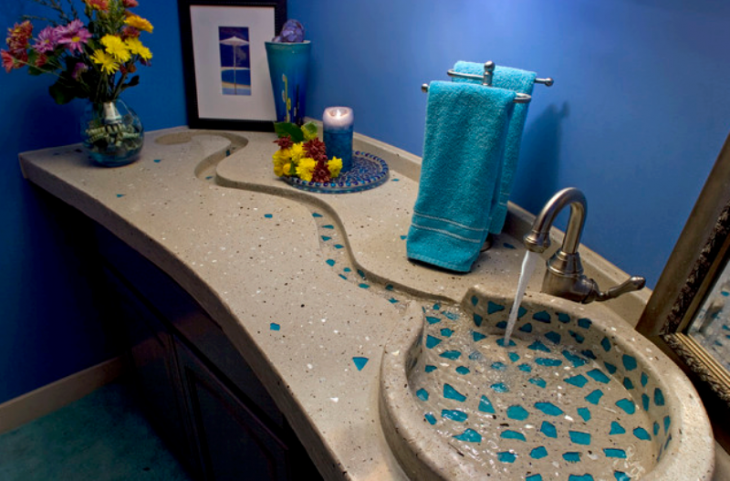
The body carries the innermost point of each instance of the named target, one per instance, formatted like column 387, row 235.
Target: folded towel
column 466, row 127
column 520, row 81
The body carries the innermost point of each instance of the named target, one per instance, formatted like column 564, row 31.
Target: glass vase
column 112, row 133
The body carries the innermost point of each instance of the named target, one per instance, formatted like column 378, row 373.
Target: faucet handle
column 633, row 283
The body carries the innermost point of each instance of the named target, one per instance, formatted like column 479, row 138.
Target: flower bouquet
column 301, row 154
column 95, row 60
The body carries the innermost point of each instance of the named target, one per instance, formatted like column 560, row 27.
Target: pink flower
column 74, row 35
column 130, row 3
column 79, row 69
column 47, row 40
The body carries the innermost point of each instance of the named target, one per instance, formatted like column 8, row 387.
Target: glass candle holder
column 338, row 129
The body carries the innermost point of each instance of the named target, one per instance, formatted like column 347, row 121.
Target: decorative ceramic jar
column 288, row 66
column 112, row 133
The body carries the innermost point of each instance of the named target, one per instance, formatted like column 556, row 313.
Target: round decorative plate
column 367, row 172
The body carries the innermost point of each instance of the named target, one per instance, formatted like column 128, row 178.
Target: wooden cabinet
column 201, row 396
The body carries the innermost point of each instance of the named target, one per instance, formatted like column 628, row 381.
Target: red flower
column 315, row 149
column 284, row 142
column 11, row 61
column 128, row 32
column 321, row 172
column 130, row 3
column 41, row 60
column 19, row 36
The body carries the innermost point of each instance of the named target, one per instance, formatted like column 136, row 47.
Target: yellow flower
column 335, row 166
column 107, row 62
column 136, row 48
column 305, row 169
column 139, row 23
column 116, row 47
column 297, row 152
column 282, row 162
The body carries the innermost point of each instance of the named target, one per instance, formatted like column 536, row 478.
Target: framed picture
column 227, row 82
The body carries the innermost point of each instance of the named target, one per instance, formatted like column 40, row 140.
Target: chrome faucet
column 564, row 276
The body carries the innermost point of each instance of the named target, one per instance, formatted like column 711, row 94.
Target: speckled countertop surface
column 207, row 209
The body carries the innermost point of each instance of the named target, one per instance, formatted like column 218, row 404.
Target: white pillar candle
column 338, row 118
column 338, row 128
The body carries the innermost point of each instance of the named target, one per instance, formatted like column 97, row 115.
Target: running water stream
column 528, row 267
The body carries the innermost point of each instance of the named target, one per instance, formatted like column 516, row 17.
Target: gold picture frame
column 684, row 292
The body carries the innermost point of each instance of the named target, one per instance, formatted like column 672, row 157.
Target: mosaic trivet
column 368, row 171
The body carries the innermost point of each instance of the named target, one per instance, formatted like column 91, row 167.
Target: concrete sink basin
column 570, row 398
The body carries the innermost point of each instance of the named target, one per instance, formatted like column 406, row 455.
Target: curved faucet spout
column 564, row 275
column 538, row 240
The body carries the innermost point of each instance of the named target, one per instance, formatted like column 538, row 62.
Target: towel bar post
column 488, row 73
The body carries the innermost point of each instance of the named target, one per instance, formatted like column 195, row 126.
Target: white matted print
column 231, row 71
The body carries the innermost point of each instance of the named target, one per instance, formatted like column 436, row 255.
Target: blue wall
column 636, row 118
column 50, row 322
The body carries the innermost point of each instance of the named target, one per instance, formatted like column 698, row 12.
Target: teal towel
column 520, row 81
column 466, row 127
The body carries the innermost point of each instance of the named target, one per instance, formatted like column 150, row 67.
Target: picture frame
column 227, row 82
column 688, row 316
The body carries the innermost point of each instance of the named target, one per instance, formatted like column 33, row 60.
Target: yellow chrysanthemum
column 282, row 162
column 107, row 62
column 297, row 152
column 139, row 23
column 136, row 48
column 305, row 169
column 116, row 47
column 335, row 166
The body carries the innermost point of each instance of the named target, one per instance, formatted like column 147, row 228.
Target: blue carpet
column 101, row 437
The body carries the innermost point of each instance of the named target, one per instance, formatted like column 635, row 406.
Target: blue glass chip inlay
column 572, row 457
column 598, row 376
column 606, row 344
column 579, row 437
column 539, row 382
column 585, row 323
column 430, row 418
column 500, row 387
column 453, row 355
column 585, row 413
column 463, row 370
column 610, row 367
column 506, row 457
column 542, row 316
column 564, row 318
column 548, row 408
column 578, row 380
column 451, row 393
column 469, row 436
column 642, row 434
column 548, row 429
column 537, row 453
column 517, row 412
column 432, row 342
column 538, row 346
column 553, row 337
column 422, row 394
column 594, row 397
column 510, row 434
column 616, row 428
column 614, row 453
column 658, row 397
column 629, row 362
column 576, row 360
column 478, row 320
column 454, row 415
column 627, row 405
column 477, row 336
column 493, row 307
column 485, row 405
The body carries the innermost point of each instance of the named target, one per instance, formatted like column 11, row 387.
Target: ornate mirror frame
column 696, row 262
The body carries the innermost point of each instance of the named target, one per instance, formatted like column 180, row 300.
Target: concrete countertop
column 206, row 208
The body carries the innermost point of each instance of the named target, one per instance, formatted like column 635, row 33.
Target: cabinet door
column 234, row 443
column 153, row 356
